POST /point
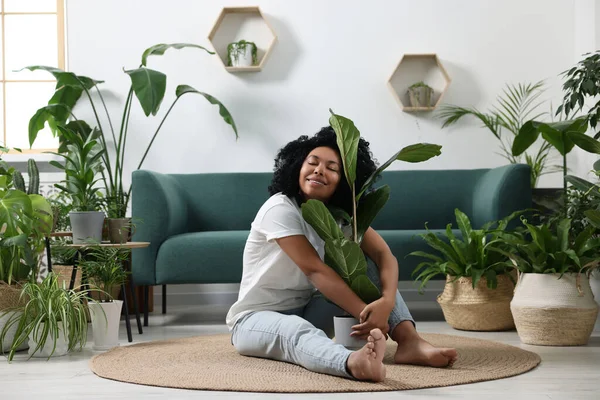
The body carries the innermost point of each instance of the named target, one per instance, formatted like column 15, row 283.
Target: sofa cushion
column 405, row 242
column 201, row 257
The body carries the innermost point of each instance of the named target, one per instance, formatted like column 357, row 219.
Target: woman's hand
column 374, row 315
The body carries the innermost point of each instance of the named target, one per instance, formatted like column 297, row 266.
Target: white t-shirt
column 270, row 279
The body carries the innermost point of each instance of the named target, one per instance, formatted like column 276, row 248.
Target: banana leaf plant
column 472, row 256
column 342, row 253
column 545, row 250
column 148, row 86
column 26, row 221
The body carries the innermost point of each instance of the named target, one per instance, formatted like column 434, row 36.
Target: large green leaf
column 354, row 258
column 42, row 213
column 528, row 134
column 414, row 153
column 66, row 95
column 43, row 115
column 159, row 49
column 339, row 214
column 365, row 289
column 594, row 217
column 347, row 136
column 558, row 139
column 65, row 77
column 183, row 89
column 463, row 224
column 369, row 207
column 149, row 87
column 585, row 142
column 318, row 216
column 563, row 234
column 334, row 257
column 15, row 211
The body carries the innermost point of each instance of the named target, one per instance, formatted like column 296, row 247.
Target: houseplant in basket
column 343, row 252
column 81, row 166
column 103, row 266
column 26, row 219
column 51, row 318
column 553, row 302
column 479, row 286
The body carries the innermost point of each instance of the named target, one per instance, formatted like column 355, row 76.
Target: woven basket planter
column 9, row 298
column 479, row 309
column 554, row 312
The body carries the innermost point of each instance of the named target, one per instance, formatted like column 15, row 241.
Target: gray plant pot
column 420, row 96
column 343, row 328
column 86, row 225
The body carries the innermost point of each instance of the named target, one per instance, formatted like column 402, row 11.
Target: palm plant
column 518, row 104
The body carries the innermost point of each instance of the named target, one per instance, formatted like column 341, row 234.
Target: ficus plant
column 148, row 86
column 342, row 253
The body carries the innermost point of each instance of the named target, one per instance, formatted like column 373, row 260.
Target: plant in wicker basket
column 553, row 302
column 479, row 285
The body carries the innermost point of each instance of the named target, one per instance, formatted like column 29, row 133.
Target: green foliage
column 148, row 86
column 344, row 254
column 517, row 104
column 419, row 84
column 473, row 256
column 235, row 49
column 45, row 309
column 82, row 164
column 104, row 267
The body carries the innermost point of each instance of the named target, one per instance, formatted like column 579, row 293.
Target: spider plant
column 517, row 104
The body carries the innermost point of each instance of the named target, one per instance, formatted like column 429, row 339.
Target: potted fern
column 104, row 268
column 343, row 253
column 50, row 318
column 479, row 285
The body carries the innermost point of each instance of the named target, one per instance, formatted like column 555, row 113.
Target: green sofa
column 197, row 224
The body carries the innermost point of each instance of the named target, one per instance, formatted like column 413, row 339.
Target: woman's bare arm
column 377, row 249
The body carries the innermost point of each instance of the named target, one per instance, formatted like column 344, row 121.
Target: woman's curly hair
column 290, row 158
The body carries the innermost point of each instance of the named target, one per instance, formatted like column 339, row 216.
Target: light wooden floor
column 565, row 372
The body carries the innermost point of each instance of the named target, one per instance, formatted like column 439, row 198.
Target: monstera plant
column 344, row 254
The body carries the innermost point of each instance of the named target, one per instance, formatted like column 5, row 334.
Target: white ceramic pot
column 62, row 343
column 554, row 312
column 105, row 324
column 241, row 57
column 343, row 328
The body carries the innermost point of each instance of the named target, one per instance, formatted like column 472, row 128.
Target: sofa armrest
column 159, row 210
column 500, row 192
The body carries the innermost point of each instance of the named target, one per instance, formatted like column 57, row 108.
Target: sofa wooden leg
column 164, row 299
column 146, row 300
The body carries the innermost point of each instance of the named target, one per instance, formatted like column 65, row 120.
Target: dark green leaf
column 159, row 49
column 149, row 87
column 585, row 142
column 41, row 116
column 528, row 134
column 365, row 289
column 347, row 136
column 319, row 217
column 369, row 207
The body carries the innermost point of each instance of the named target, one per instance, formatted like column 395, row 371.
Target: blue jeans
column 302, row 336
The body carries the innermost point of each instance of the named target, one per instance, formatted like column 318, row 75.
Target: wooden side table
column 128, row 245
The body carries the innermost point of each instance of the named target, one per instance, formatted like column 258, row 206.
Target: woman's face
column 320, row 174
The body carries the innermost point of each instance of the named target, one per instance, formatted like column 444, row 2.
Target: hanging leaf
column 528, row 134
column 159, row 49
column 149, row 87
column 184, row 89
column 43, row 115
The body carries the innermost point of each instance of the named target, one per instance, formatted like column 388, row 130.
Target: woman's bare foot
column 366, row 364
column 418, row 351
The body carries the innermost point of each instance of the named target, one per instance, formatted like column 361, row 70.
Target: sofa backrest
column 420, row 196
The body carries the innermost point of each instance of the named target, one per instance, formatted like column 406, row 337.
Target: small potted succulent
column 420, row 95
column 241, row 54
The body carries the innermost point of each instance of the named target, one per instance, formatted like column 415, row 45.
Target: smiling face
column 320, row 174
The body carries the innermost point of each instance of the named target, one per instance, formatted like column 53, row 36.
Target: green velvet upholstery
column 197, row 224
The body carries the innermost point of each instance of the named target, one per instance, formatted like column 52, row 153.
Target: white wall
column 336, row 54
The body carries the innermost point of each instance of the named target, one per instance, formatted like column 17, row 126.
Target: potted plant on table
column 26, row 221
column 479, row 285
column 553, row 303
column 147, row 85
column 82, row 164
column 343, row 253
column 104, row 268
column 420, row 95
column 50, row 318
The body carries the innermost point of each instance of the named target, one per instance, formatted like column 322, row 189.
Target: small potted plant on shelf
column 241, row 54
column 51, row 318
column 342, row 251
column 103, row 266
column 479, row 284
column 553, row 303
column 82, row 164
column 420, row 95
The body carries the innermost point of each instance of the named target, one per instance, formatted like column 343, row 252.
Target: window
column 32, row 34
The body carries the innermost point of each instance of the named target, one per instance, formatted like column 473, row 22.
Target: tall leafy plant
column 147, row 85
column 517, row 104
column 344, row 254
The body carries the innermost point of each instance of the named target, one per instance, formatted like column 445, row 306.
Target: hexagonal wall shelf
column 242, row 23
column 414, row 68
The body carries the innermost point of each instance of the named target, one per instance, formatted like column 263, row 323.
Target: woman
column 281, row 312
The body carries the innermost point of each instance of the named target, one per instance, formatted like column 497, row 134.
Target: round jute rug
column 211, row 363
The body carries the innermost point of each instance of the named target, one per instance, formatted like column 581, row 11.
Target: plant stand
column 129, row 245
